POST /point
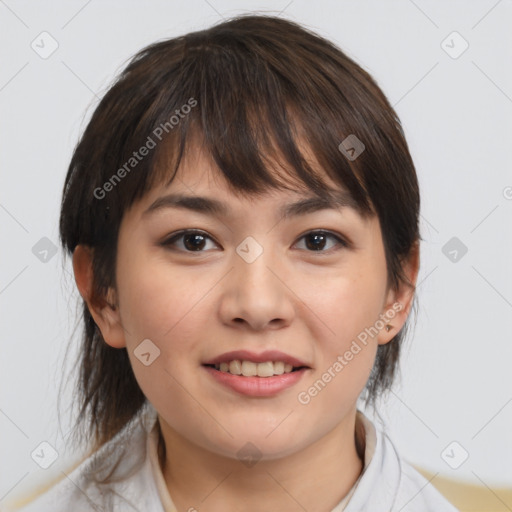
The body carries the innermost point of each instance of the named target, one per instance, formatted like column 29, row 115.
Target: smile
column 252, row 369
column 256, row 374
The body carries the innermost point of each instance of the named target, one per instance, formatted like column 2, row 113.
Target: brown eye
column 188, row 241
column 317, row 241
column 197, row 241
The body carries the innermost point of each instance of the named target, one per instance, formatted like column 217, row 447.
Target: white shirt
column 386, row 484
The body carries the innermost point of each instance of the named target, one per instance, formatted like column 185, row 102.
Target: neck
column 315, row 478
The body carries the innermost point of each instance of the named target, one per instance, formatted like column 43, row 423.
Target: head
column 256, row 113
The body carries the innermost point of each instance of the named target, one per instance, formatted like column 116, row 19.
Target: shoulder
column 390, row 483
column 116, row 477
column 417, row 494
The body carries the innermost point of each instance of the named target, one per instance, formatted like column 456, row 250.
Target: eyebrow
column 209, row 206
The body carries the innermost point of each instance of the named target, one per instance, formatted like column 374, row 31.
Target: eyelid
column 342, row 240
column 166, row 242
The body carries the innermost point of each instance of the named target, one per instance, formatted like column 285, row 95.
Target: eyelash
column 169, row 242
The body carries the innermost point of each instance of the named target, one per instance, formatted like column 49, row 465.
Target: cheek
column 158, row 304
column 347, row 304
column 156, row 299
column 345, row 356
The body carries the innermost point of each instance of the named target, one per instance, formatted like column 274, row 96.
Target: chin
column 261, row 442
column 252, row 450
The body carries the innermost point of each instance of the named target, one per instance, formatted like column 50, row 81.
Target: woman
column 242, row 210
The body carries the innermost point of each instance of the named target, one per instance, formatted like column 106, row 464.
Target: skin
column 194, row 306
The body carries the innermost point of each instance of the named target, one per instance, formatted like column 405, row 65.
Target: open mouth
column 252, row 369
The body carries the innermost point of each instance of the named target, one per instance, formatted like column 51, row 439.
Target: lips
column 256, row 375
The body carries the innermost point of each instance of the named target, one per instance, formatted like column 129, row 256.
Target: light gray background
column 456, row 380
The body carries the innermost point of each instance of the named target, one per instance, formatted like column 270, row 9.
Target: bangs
column 263, row 123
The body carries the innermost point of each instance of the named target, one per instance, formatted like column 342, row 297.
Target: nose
column 256, row 294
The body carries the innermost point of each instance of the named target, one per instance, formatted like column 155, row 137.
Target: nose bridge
column 252, row 262
column 254, row 292
column 250, row 250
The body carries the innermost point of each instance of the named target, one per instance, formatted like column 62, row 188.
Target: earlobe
column 399, row 301
column 103, row 309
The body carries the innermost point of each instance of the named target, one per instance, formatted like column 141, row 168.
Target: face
column 199, row 288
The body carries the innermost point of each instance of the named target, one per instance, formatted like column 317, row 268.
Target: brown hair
column 258, row 87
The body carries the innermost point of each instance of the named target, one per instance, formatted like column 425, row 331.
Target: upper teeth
column 250, row 369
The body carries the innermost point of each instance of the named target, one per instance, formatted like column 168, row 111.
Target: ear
column 399, row 301
column 102, row 309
